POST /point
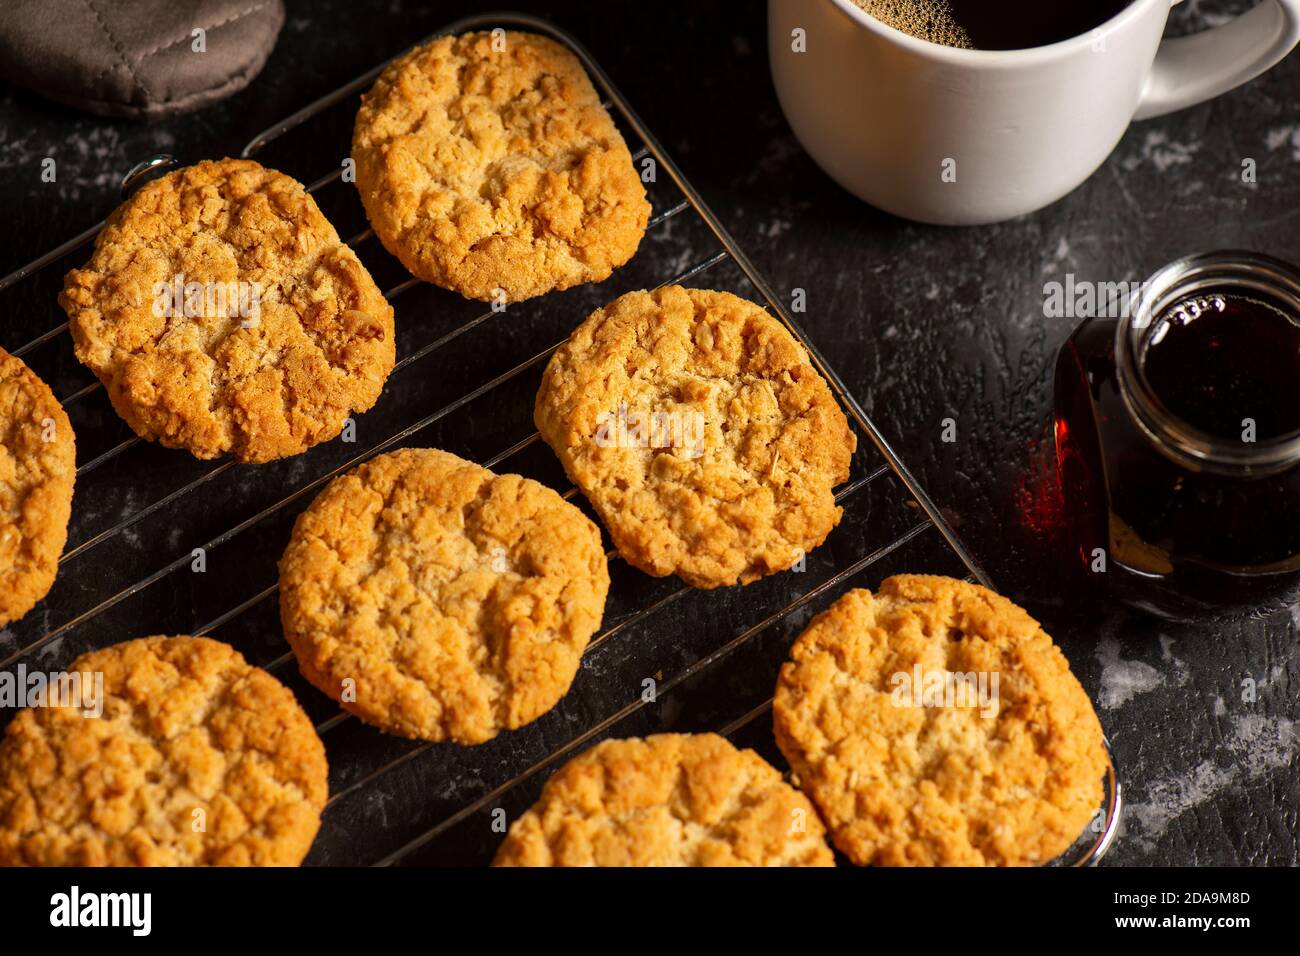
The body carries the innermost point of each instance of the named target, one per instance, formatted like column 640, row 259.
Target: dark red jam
column 1178, row 441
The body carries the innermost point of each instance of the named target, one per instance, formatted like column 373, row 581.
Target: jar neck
column 1191, row 279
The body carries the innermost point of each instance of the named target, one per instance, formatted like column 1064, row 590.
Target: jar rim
column 1171, row 434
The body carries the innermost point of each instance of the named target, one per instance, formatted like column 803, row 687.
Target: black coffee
column 993, row 24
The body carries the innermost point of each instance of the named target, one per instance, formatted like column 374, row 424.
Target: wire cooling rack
column 464, row 381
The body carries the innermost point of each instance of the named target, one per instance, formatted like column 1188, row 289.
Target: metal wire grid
column 932, row 520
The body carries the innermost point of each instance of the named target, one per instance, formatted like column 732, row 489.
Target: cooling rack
column 668, row 657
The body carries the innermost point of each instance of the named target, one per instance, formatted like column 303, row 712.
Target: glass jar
column 1174, row 508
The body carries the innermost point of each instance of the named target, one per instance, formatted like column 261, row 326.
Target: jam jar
column 1177, row 427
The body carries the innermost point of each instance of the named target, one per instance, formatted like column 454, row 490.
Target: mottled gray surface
column 923, row 323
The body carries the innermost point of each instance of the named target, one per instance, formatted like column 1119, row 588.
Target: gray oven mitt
column 136, row 58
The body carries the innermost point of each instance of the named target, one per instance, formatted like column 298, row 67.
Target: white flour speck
column 1123, row 680
column 1062, row 253
column 1161, row 152
column 1275, row 139
column 1182, row 673
column 1255, row 746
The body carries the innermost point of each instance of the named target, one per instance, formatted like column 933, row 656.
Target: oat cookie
column 437, row 600
column 197, row 759
column 38, row 464
column 667, row 800
column 698, row 429
column 489, row 165
column 277, row 335
column 906, row 775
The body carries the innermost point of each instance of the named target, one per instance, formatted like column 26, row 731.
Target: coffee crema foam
column 931, row 20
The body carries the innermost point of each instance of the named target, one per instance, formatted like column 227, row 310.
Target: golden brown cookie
column 910, row 766
column 38, row 464
column 667, row 800
column 223, row 314
column 437, row 600
column 698, row 429
column 489, row 163
column 196, row 758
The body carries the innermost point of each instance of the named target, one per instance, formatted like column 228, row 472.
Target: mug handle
column 1189, row 70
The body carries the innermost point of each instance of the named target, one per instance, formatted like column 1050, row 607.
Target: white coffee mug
column 960, row 137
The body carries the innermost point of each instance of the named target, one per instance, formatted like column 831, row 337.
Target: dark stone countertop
column 923, row 323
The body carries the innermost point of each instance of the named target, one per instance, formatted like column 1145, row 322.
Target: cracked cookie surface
column 38, row 465
column 487, row 166
column 437, row 600
column 730, row 475
column 197, row 759
column 667, row 800
column 944, row 780
column 260, row 382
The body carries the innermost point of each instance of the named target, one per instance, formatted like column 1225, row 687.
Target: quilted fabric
column 136, row 58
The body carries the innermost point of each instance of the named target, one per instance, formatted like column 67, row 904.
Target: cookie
column 488, row 163
column 667, row 800
column 437, row 600
column 195, row 758
column 38, row 465
column 698, row 429
column 223, row 315
column 935, row 724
